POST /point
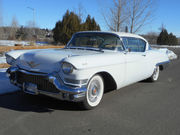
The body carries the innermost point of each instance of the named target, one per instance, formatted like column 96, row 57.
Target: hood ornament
column 32, row 64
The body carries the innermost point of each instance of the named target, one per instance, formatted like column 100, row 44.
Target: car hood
column 49, row 60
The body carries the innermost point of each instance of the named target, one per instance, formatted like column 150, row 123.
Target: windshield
column 97, row 41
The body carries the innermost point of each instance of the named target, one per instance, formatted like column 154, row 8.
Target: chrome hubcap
column 93, row 91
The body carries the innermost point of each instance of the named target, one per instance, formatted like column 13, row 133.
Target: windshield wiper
column 86, row 48
column 94, row 49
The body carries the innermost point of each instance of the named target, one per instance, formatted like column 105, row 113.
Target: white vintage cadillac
column 90, row 64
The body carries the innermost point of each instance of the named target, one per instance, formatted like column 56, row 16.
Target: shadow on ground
column 20, row 101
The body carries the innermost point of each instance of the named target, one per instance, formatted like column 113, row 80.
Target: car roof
column 120, row 34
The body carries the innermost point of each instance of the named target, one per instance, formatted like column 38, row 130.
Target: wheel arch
column 161, row 67
column 109, row 82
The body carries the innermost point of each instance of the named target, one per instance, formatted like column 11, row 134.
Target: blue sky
column 48, row 12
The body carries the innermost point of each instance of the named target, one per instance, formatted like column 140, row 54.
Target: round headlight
column 67, row 68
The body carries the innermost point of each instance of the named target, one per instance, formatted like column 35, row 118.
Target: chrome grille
column 41, row 81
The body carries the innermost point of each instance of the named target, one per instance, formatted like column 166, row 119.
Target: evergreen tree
column 94, row 25
column 166, row 39
column 57, row 31
column 66, row 28
column 172, row 39
column 163, row 38
column 90, row 24
column 70, row 24
column 87, row 23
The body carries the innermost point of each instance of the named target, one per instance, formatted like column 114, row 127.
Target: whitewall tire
column 155, row 74
column 94, row 93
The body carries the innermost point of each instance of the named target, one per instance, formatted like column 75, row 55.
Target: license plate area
column 30, row 88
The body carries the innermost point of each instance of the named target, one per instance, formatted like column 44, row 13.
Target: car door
column 136, row 60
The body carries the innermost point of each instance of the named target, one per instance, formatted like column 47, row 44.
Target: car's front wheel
column 94, row 93
column 155, row 74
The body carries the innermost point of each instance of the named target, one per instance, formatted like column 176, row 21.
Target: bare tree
column 117, row 15
column 133, row 14
column 14, row 28
column 140, row 13
column 30, row 24
column 151, row 37
column 1, row 33
column 30, row 31
column 178, row 41
column 14, row 22
column 80, row 11
column 162, row 27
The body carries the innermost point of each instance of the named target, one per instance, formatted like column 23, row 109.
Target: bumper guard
column 65, row 92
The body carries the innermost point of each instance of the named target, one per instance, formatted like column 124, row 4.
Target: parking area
column 140, row 109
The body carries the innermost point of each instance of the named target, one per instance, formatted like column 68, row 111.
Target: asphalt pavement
column 139, row 109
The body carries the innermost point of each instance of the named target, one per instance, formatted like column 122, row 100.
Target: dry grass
column 9, row 48
column 4, row 65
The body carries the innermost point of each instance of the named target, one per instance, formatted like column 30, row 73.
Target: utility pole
column 32, row 9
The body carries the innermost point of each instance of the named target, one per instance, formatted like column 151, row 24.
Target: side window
column 113, row 43
column 125, row 42
column 119, row 45
column 142, row 45
column 134, row 44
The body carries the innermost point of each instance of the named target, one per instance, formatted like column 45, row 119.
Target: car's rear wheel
column 94, row 93
column 155, row 74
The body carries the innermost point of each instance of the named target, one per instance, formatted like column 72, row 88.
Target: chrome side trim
column 162, row 63
column 77, row 83
column 65, row 88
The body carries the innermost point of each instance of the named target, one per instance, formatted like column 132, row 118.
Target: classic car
column 90, row 64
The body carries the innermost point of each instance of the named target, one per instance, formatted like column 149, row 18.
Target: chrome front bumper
column 60, row 91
